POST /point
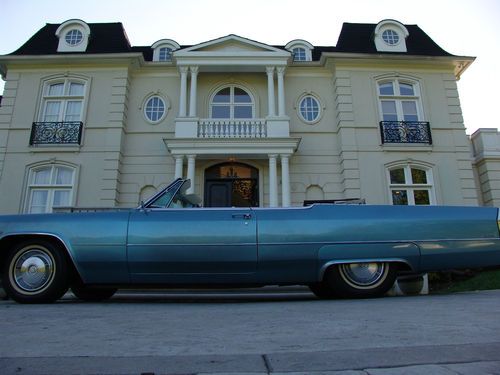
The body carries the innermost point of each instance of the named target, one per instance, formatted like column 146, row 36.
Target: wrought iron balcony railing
column 56, row 133
column 405, row 132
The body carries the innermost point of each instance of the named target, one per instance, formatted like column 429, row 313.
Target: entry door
column 218, row 193
column 191, row 245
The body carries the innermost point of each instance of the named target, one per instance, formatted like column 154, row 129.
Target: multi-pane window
column 299, row 54
column 48, row 187
column 73, row 37
column 155, row 109
column 399, row 101
column 165, row 54
column 232, row 103
column 309, row 108
column 410, row 185
column 63, row 101
column 390, row 37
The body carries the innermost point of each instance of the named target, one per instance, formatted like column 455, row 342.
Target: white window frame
column 302, row 44
column 161, row 44
column 396, row 27
column 50, row 187
column 166, row 107
column 409, row 186
column 67, row 27
column 399, row 99
column 232, row 104
column 63, row 99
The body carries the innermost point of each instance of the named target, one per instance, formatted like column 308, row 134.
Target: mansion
column 87, row 120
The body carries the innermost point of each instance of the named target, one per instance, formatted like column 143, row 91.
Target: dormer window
column 390, row 36
column 73, row 36
column 165, row 54
column 164, row 49
column 301, row 50
column 299, row 54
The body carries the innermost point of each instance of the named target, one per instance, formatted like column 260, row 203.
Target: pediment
column 232, row 44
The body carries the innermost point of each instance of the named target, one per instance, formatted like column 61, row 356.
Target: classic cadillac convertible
column 169, row 241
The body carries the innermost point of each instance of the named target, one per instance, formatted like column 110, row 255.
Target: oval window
column 309, row 108
column 154, row 110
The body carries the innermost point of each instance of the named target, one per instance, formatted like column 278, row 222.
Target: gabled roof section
column 232, row 44
column 104, row 38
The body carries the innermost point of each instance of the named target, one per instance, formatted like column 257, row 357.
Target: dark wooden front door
column 231, row 185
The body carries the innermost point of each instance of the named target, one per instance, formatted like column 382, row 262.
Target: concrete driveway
column 256, row 332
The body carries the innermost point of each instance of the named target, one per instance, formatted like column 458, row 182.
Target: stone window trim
column 57, row 187
column 73, row 36
column 300, row 49
column 320, row 105
column 148, row 108
column 411, row 182
column 163, row 50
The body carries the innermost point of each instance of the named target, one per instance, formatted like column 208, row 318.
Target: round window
column 154, row 110
column 309, row 108
column 390, row 37
column 73, row 37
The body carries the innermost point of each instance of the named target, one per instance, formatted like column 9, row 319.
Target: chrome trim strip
column 369, row 260
column 195, row 244
column 414, row 242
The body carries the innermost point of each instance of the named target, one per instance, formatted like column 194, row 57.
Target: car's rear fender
column 407, row 254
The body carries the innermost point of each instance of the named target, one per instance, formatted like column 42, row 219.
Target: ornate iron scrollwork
column 405, row 132
column 61, row 132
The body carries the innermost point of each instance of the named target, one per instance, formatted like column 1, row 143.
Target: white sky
column 461, row 27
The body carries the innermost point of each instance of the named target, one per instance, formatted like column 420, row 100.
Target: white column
column 192, row 93
column 178, row 166
column 270, row 91
column 281, row 91
column 285, row 181
column 183, row 95
column 190, row 172
column 273, row 182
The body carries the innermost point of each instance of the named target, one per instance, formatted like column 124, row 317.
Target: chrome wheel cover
column 32, row 269
column 364, row 275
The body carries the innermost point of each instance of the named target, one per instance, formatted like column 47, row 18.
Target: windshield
column 174, row 196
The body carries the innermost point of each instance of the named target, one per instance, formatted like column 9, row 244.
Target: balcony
column 210, row 128
column 418, row 132
column 56, row 133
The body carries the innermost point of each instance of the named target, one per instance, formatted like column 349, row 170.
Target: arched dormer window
column 301, row 50
column 232, row 102
column 163, row 50
column 73, row 36
column 390, row 36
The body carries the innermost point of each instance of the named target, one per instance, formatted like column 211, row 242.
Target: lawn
column 452, row 283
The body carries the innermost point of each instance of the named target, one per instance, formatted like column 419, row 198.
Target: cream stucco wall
column 340, row 156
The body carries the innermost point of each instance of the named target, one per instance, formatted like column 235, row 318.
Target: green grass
column 485, row 280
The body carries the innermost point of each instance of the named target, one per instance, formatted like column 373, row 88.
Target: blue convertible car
column 169, row 241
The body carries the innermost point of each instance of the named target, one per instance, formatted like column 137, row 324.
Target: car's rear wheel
column 361, row 280
column 35, row 271
column 88, row 293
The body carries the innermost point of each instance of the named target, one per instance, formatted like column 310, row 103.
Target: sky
column 461, row 27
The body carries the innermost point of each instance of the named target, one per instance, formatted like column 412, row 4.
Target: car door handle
column 242, row 216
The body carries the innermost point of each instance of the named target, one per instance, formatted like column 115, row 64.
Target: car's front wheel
column 35, row 272
column 88, row 293
column 360, row 280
